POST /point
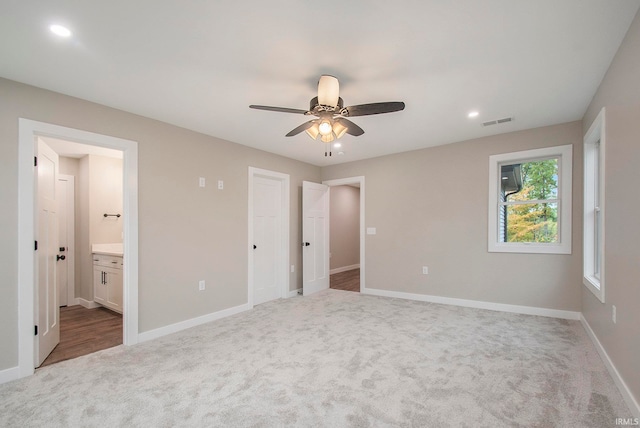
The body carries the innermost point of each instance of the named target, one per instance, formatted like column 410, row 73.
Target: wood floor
column 348, row 280
column 83, row 331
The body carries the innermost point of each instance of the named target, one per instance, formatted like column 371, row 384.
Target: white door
column 267, row 235
column 48, row 311
column 315, row 236
column 66, row 218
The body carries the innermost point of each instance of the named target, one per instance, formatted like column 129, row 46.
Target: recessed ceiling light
column 59, row 30
column 473, row 114
column 337, row 145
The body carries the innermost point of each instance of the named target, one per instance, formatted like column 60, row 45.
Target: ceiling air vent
column 498, row 121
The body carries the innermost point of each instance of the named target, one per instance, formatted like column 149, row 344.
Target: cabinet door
column 114, row 288
column 99, row 289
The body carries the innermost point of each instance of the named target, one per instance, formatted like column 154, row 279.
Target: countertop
column 108, row 249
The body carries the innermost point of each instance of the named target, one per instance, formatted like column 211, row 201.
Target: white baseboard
column 193, row 322
column 344, row 269
column 7, row 375
column 622, row 386
column 295, row 292
column 89, row 304
column 478, row 304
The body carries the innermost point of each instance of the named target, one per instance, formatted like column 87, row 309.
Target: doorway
column 347, row 231
column 29, row 131
column 86, row 325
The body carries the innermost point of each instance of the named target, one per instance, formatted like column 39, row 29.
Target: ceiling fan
column 331, row 120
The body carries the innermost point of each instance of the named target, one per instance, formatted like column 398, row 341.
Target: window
column 593, row 225
column 530, row 201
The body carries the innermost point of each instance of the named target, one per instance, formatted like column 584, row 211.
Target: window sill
column 532, row 248
column 595, row 286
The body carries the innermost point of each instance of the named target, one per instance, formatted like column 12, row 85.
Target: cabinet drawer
column 107, row 261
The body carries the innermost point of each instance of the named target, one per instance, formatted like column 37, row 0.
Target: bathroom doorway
column 90, row 185
column 29, row 291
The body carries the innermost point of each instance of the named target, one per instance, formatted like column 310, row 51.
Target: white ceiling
column 200, row 64
column 77, row 150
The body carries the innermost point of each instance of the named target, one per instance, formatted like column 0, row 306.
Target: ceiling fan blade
column 352, row 128
column 374, row 108
column 279, row 109
column 301, row 128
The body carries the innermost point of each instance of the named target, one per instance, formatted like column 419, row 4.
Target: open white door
column 48, row 311
column 315, row 236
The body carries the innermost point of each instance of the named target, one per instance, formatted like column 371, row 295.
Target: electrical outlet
column 201, row 181
column 201, row 285
column 425, row 270
column 293, row 268
column 613, row 314
column 220, row 184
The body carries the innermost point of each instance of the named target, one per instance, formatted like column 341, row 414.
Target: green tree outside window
column 532, row 213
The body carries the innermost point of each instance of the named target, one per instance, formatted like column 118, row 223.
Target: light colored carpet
column 334, row 359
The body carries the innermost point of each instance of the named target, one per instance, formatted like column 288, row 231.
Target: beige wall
column 430, row 209
column 105, row 197
column 620, row 94
column 101, row 191
column 345, row 226
column 69, row 166
column 186, row 233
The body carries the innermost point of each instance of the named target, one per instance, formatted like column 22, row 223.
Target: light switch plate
column 371, row 230
column 201, row 182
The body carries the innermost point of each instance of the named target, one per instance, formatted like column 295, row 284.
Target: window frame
column 565, row 161
column 593, row 277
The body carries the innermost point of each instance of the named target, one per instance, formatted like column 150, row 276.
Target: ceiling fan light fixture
column 325, row 127
column 339, row 129
column 328, row 91
column 327, row 138
column 313, row 131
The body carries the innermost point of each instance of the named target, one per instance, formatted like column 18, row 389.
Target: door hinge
column 35, row 161
column 35, row 246
column 36, row 330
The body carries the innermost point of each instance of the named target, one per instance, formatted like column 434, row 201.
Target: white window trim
column 595, row 134
column 565, row 155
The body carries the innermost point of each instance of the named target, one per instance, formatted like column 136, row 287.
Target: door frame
column 70, row 205
column 346, row 181
column 285, row 210
column 28, row 131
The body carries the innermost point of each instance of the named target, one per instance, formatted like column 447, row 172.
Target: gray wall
column 430, row 209
column 186, row 233
column 619, row 92
column 345, row 226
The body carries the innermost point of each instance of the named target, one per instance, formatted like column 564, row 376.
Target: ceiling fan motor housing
column 315, row 107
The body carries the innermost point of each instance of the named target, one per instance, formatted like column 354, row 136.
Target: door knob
column 306, row 244
column 254, row 246
column 60, row 257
